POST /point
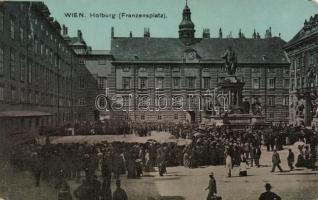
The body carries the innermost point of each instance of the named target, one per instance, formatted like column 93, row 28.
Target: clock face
column 191, row 55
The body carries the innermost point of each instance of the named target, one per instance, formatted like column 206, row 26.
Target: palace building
column 302, row 52
column 181, row 69
column 48, row 78
column 39, row 71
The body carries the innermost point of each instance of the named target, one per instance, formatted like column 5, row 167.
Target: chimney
column 254, row 34
column 112, row 32
column 220, row 33
column 206, row 33
column 79, row 34
column 64, row 29
column 146, row 32
column 130, row 34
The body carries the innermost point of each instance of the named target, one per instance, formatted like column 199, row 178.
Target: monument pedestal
column 234, row 115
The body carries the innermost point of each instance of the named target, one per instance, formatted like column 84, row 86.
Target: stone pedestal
column 233, row 118
column 232, row 88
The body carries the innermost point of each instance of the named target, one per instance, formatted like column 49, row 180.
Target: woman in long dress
column 228, row 164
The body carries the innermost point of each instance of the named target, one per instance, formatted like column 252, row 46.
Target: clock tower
column 186, row 27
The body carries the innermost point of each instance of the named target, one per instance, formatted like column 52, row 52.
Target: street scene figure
column 119, row 193
column 212, row 187
column 290, row 159
column 269, row 195
column 276, row 161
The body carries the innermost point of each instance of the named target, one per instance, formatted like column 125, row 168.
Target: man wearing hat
column 211, row 187
column 268, row 195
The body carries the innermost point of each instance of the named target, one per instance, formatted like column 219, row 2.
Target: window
column 298, row 83
column 311, row 59
column 176, row 69
column 159, row 83
column 13, row 97
column 22, row 68
column 271, row 83
column 1, row 20
column 271, row 100
column 159, row 69
column 176, row 116
column 1, row 92
column 256, row 83
column 271, row 115
column 176, row 82
column 1, row 60
column 125, row 100
column 36, row 43
column 22, row 95
column 42, row 48
column 12, row 64
column 102, row 82
column 286, row 71
column 30, row 72
column 142, row 83
column 142, row 69
column 271, row 70
column 255, row 70
column 206, row 82
column 126, row 82
column 36, row 98
column 285, row 101
column 191, row 82
column 51, row 57
column 102, row 62
column 82, row 83
column 142, row 116
column 12, row 29
column 21, row 33
column 82, row 101
column 126, row 69
column 286, row 83
column 159, row 117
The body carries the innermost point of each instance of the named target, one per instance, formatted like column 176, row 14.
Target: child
column 243, row 168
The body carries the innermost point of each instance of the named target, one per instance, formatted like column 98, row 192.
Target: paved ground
column 185, row 184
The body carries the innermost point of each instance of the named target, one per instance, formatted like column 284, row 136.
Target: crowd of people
column 58, row 163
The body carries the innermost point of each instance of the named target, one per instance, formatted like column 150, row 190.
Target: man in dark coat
column 212, row 187
column 119, row 193
column 84, row 191
column 268, row 195
column 276, row 161
column 36, row 168
column 290, row 159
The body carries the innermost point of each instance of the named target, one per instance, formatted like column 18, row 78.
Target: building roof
column 309, row 29
column 99, row 52
column 210, row 50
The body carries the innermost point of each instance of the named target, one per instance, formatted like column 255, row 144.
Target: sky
column 284, row 16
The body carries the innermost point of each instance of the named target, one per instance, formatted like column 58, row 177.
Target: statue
column 230, row 61
column 311, row 75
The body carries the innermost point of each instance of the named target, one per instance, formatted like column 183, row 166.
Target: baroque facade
column 147, row 68
column 302, row 51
